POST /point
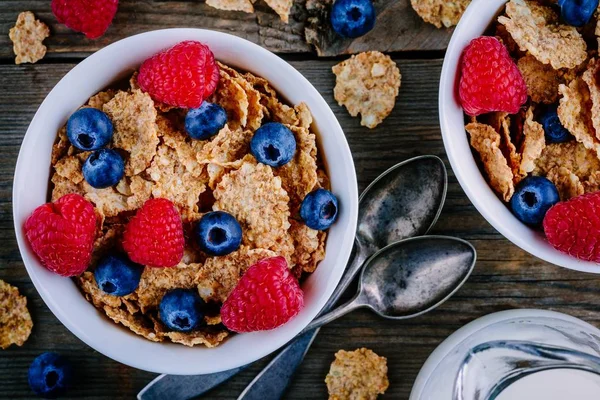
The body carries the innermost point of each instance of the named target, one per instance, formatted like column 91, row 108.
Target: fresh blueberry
column 50, row 375
column 205, row 121
column 103, row 168
column 577, row 12
column 117, row 275
column 553, row 129
column 273, row 144
column 89, row 129
column 352, row 18
column 218, row 233
column 319, row 209
column 533, row 197
column 181, row 310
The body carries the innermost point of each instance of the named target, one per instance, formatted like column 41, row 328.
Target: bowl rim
column 346, row 234
column 481, row 196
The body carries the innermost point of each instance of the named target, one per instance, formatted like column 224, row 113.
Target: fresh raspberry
column 181, row 76
column 154, row 236
column 573, row 227
column 91, row 17
column 267, row 296
column 62, row 234
column 490, row 80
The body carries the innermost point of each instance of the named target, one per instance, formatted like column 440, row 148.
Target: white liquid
column 558, row 384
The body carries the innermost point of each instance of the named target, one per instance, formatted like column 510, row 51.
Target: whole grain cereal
column 15, row 320
column 367, row 83
column 359, row 374
column 27, row 36
column 441, row 13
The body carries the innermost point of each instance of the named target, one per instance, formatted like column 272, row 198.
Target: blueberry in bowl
column 103, row 168
column 116, row 275
column 319, row 209
column 273, row 144
column 533, row 197
column 205, row 121
column 89, row 129
column 182, row 310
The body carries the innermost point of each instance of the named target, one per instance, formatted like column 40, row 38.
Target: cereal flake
column 256, row 198
column 571, row 155
column 440, row 13
column 134, row 119
column 309, row 247
column 590, row 76
column 542, row 80
column 535, row 28
column 358, row 374
column 486, row 141
column 233, row 98
column 567, row 183
column 367, row 83
column 533, row 143
column 15, row 320
column 27, row 36
column 232, row 5
column 281, row 7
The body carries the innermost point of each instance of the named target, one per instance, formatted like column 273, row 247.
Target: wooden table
column 505, row 276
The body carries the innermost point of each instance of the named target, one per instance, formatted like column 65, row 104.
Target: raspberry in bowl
column 517, row 113
column 182, row 202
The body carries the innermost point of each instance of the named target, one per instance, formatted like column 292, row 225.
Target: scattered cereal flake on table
column 359, row 374
column 486, row 141
column 535, row 28
column 440, row 12
column 533, row 144
column 100, row 99
column 15, row 320
column 27, row 36
column 255, row 197
column 134, row 119
column 299, row 176
column 220, row 275
column 542, row 80
column 309, row 247
column 206, row 337
column 174, row 182
column 590, row 76
column 232, row 5
column 138, row 324
column 281, row 7
column 226, row 147
column 574, row 112
column 571, row 155
column 367, row 83
column 155, row 282
column 233, row 98
column 566, row 182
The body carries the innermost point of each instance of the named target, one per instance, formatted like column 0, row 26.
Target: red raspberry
column 91, row 17
column 154, row 236
column 266, row 297
column 573, row 227
column 490, row 80
column 181, row 76
column 62, row 234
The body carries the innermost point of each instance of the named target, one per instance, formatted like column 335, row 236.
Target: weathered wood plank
column 399, row 29
column 505, row 276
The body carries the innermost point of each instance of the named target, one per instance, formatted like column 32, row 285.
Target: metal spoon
column 403, row 280
column 404, row 201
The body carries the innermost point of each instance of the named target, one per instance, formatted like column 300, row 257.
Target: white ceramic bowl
column 31, row 187
column 474, row 22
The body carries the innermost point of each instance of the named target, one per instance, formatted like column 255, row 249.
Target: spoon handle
column 335, row 314
column 273, row 380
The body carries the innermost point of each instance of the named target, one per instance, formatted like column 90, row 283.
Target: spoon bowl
column 409, row 278
column 414, row 276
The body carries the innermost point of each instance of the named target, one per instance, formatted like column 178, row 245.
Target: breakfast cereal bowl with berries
column 519, row 111
column 185, row 202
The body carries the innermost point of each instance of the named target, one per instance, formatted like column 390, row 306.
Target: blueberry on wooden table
column 352, row 18
column 50, row 375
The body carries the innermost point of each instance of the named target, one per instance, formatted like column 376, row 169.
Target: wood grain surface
column 505, row 277
column 264, row 27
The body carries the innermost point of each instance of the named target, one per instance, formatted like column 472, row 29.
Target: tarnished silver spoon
column 404, row 201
